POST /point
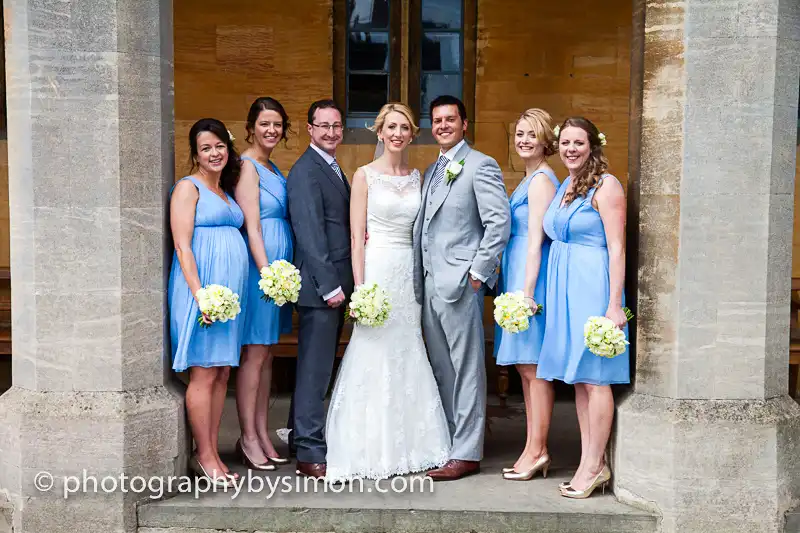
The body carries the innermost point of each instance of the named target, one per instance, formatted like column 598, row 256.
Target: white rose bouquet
column 280, row 282
column 218, row 303
column 603, row 338
column 369, row 306
column 512, row 313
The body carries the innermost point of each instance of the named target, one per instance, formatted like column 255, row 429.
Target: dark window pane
column 368, row 51
column 440, row 14
column 367, row 92
column 441, row 51
column 366, row 14
column 434, row 85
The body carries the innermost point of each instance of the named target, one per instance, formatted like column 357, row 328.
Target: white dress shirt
column 326, row 156
column 450, row 155
column 328, row 159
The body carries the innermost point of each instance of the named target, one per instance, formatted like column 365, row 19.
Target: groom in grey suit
column 460, row 232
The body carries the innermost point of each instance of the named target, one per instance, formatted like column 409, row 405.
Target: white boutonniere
column 453, row 170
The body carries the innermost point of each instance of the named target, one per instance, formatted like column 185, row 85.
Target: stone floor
column 483, row 503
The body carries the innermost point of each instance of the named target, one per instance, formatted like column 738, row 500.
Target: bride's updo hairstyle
column 596, row 164
column 403, row 109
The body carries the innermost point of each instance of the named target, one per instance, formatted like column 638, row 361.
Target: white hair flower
column 602, row 137
column 231, row 136
column 557, row 131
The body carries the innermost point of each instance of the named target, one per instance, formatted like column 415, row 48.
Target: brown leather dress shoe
column 311, row 469
column 454, row 469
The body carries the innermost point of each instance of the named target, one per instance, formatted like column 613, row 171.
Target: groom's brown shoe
column 311, row 469
column 454, row 469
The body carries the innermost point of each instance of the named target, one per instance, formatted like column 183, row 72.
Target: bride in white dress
column 386, row 417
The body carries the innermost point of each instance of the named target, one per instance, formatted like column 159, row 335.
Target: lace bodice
column 386, row 417
column 392, row 206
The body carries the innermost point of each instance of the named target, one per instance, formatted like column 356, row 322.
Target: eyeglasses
column 337, row 128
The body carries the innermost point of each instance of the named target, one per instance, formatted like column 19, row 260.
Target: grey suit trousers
column 455, row 341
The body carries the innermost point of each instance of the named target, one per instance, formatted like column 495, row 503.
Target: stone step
column 484, row 503
column 792, row 522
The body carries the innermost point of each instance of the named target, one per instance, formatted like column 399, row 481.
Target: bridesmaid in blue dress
column 585, row 277
column 209, row 248
column 524, row 268
column 262, row 194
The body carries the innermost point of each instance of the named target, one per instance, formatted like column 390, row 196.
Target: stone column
column 90, row 138
column 709, row 437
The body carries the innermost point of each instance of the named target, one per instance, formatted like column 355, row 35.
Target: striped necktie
column 439, row 175
column 336, row 169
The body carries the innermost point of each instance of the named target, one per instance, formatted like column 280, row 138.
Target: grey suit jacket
column 466, row 229
column 319, row 213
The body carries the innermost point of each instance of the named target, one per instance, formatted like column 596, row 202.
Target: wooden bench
column 287, row 343
column 794, row 339
column 287, row 348
column 5, row 312
column 794, row 369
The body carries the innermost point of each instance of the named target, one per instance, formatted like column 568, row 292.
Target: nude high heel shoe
column 200, row 471
column 543, row 464
column 279, row 460
column 600, row 480
column 246, row 461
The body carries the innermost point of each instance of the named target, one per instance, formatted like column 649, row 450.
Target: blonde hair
column 403, row 109
column 540, row 121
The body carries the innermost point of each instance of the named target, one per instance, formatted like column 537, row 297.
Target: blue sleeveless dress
column 524, row 347
column 264, row 321
column 577, row 288
column 221, row 257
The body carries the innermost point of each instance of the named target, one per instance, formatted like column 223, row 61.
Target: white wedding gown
column 386, row 417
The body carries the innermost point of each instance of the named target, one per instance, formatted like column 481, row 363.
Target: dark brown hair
column 596, row 164
column 448, row 99
column 322, row 104
column 230, row 174
column 266, row 103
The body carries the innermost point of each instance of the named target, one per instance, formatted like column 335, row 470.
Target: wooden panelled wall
column 228, row 53
column 5, row 233
column 796, row 234
column 529, row 54
column 568, row 62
